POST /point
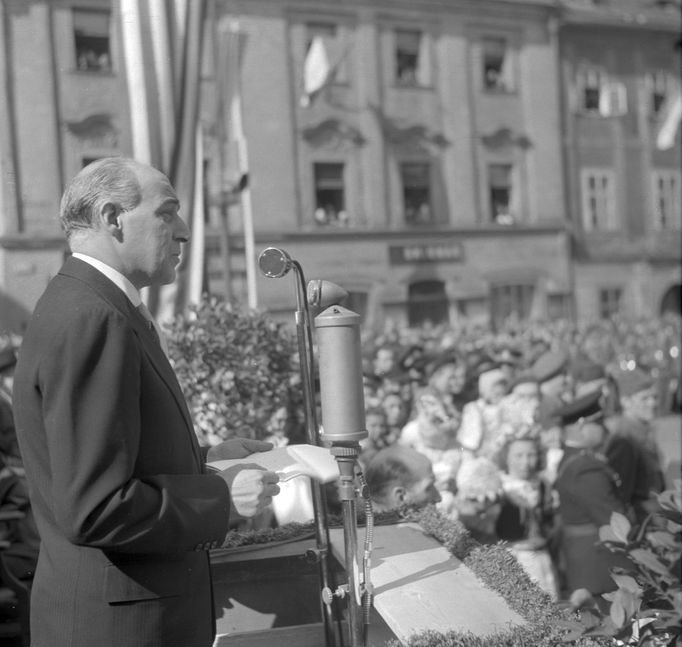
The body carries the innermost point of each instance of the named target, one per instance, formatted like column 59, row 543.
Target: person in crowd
column 588, row 491
column 477, row 502
column 481, row 422
column 551, row 370
column 508, row 359
column 449, row 378
column 398, row 476
column 587, row 377
column 432, row 433
column 21, row 555
column 526, row 519
column 396, row 414
column 124, row 505
column 520, row 405
column 9, row 449
column 631, row 450
column 378, row 436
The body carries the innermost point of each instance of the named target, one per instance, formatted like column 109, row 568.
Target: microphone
column 322, row 294
column 274, row 262
column 342, row 397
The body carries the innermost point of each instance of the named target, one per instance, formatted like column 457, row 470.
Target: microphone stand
column 305, row 352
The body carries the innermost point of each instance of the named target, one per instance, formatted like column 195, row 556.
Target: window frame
column 321, row 216
column 511, row 299
column 606, row 196
column 670, row 197
column 428, row 188
column 506, row 81
column 98, row 68
column 606, row 301
column 423, row 71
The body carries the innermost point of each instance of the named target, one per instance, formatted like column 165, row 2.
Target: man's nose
column 182, row 232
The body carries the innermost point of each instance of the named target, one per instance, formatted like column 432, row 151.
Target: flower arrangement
column 236, row 368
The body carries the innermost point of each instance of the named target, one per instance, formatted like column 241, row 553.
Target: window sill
column 100, row 73
column 412, row 86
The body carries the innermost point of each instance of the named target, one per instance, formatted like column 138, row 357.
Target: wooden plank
column 302, row 636
column 419, row 585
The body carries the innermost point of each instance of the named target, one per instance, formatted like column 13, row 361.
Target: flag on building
column 317, row 70
column 670, row 121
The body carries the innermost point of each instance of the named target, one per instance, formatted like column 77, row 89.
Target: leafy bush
column 235, row 367
column 646, row 608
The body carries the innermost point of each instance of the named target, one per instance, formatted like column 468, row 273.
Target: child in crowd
column 526, row 515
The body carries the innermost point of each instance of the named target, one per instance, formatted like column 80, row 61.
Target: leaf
column 617, row 613
column 620, row 526
column 649, row 560
column 661, row 539
column 627, row 583
column 606, row 534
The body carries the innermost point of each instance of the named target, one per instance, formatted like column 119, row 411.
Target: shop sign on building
column 451, row 252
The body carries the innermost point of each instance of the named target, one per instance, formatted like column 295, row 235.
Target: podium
column 270, row 594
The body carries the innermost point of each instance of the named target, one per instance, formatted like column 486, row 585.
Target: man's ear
column 399, row 494
column 110, row 217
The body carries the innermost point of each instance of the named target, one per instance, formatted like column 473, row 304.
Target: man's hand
column 237, row 448
column 251, row 489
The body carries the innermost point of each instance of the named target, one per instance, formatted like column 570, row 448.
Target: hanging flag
column 670, row 121
column 162, row 48
column 317, row 70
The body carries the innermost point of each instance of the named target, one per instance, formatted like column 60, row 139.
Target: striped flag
column 162, row 46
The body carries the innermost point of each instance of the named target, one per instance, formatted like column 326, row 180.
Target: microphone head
column 322, row 294
column 274, row 262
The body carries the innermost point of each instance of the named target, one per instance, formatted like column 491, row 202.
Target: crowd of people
column 535, row 435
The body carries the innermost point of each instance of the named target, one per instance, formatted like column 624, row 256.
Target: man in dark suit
column 124, row 505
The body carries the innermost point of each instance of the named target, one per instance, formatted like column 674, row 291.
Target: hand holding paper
column 289, row 462
column 251, row 488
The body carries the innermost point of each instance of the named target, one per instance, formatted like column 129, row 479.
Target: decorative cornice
column 333, row 131
column 504, row 137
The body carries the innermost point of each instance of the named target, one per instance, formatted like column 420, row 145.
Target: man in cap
column 588, row 496
column 631, row 450
column 551, row 372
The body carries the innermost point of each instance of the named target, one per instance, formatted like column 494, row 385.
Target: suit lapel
column 82, row 271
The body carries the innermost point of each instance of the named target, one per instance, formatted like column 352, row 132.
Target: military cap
column 586, row 408
column 631, row 382
column 549, row 365
column 585, row 370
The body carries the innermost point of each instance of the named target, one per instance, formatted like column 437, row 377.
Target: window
column 411, row 58
column 609, row 302
column 427, row 302
column 497, row 65
column 598, row 199
column 416, row 182
column 667, row 205
column 92, row 40
column 599, row 95
column 330, row 199
column 658, row 85
column 500, row 192
column 511, row 301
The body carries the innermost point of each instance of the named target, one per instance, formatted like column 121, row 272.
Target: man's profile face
column 423, row 489
column 641, row 405
column 152, row 232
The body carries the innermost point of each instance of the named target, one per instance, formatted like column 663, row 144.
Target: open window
column 416, row 185
column 330, row 194
column 498, row 75
column 500, row 191
column 92, row 39
column 412, row 65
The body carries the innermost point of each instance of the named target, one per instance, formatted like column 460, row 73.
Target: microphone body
column 340, row 363
column 274, row 262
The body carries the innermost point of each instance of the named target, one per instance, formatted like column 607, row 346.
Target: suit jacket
column 124, row 508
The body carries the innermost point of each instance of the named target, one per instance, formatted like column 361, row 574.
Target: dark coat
column 588, row 495
column 123, row 506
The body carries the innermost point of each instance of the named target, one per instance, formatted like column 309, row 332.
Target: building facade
column 620, row 74
column 443, row 170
